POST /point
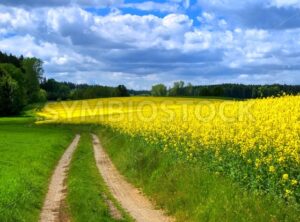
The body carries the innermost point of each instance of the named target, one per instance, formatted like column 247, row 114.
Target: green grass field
column 86, row 188
column 28, row 155
column 187, row 190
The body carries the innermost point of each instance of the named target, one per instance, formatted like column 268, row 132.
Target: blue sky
column 141, row 43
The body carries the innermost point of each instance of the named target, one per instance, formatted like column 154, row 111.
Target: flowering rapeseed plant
column 256, row 142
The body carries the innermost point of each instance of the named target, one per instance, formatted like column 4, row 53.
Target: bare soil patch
column 130, row 198
column 54, row 207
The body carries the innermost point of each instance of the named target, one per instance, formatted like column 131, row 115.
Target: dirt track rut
column 130, row 198
column 53, row 203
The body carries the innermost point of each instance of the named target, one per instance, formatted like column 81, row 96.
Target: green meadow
column 28, row 155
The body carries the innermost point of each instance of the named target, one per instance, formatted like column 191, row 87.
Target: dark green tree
column 18, row 76
column 122, row 91
column 189, row 90
column 10, row 95
column 33, row 68
column 177, row 89
column 159, row 90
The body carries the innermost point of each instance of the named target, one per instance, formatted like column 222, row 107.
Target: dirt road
column 51, row 211
column 130, row 198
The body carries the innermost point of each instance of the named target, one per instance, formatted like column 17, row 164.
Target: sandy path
column 130, row 198
column 52, row 211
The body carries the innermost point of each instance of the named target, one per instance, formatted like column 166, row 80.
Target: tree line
column 69, row 91
column 22, row 83
column 238, row 91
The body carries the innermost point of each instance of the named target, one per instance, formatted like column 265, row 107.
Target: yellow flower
column 294, row 182
column 285, row 176
column 288, row 192
column 272, row 169
column 281, row 159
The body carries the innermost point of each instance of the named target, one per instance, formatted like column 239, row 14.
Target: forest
column 238, row 91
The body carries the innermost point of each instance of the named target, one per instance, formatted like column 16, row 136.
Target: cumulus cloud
column 140, row 50
column 118, row 31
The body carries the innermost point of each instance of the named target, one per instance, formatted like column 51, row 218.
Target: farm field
column 253, row 144
column 241, row 164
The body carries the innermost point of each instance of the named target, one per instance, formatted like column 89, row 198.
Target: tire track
column 52, row 209
column 130, row 198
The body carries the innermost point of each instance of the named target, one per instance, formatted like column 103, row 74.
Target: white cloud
column 210, row 21
column 285, row 3
column 17, row 20
column 142, row 50
column 197, row 40
column 153, row 6
column 27, row 46
column 117, row 30
column 97, row 3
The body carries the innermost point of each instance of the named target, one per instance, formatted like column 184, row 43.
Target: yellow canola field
column 262, row 136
